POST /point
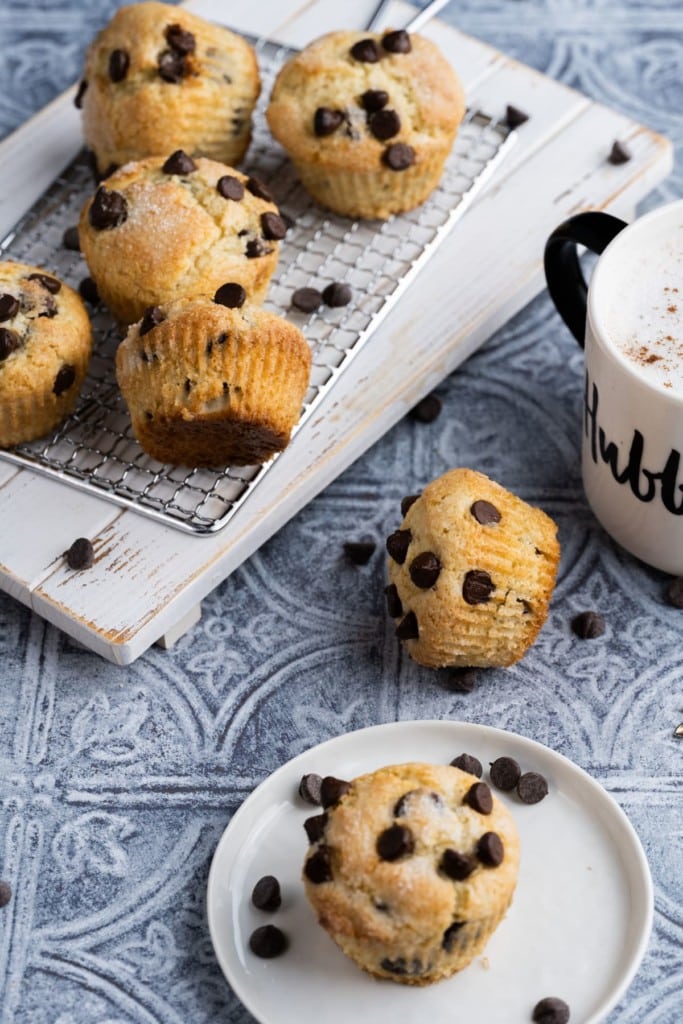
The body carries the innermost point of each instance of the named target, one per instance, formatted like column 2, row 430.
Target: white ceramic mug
column 631, row 320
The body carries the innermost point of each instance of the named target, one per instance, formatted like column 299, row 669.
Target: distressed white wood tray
column 148, row 579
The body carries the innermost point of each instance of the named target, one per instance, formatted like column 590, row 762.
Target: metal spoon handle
column 416, row 23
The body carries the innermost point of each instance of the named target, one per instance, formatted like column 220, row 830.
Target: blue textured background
column 115, row 784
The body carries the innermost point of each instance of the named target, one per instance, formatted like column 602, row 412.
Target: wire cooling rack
column 95, row 448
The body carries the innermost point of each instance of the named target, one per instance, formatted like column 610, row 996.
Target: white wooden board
column 147, row 578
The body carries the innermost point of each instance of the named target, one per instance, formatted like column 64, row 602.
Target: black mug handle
column 563, row 273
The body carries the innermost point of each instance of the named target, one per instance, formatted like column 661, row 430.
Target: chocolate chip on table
column 448, row 938
column 78, row 98
column 231, row 295
column 70, row 239
column 490, row 850
column 485, row 513
column 532, row 788
column 179, row 163
column 468, row 763
column 332, row 790
column 359, row 551
column 408, row 628
column 5, row 893
column 395, row 842
column 51, row 284
column 397, row 545
column 81, row 554
column 479, row 798
column 309, row 788
column 588, row 625
column 425, row 569
column 384, row 124
column 107, row 210
column 550, row 1010
column 397, row 42
column 514, row 117
column 505, row 773
column 373, row 100
column 9, row 342
column 273, row 226
column 399, row 156
column 678, row 731
column 153, row 316
column 674, row 592
column 307, row 300
column 337, row 294
column 619, row 153
column 9, row 306
column 318, row 867
column 230, row 187
column 179, row 39
column 426, row 410
column 408, row 502
column 267, row 941
column 87, row 289
column 366, row 51
column 326, row 121
column 457, row 866
column 66, row 375
column 460, row 680
column 172, row 67
column 259, row 189
column 315, row 827
column 255, row 248
column 477, row 587
column 394, row 606
column 266, row 893
column 119, row 62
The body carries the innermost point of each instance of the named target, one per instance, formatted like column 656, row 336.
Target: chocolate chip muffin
column 411, row 870
column 163, row 228
column 157, row 79
column 45, row 346
column 368, row 119
column 213, row 381
column 471, row 572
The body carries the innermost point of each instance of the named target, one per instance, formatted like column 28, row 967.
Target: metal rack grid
column 95, row 449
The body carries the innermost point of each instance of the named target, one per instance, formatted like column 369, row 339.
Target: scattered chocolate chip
column 9, row 306
column 267, row 941
column 394, row 606
column 337, row 294
column 70, row 239
column 87, row 289
column 332, row 790
column 119, row 62
column 366, row 51
column 397, row 545
column 479, row 798
column 260, row 189
column 532, row 788
column 426, row 410
column 318, row 867
column 457, row 866
column 373, row 100
column 315, row 827
column 66, row 375
column 490, row 850
column 485, row 513
column 619, row 153
column 81, row 554
column 514, row 116
column 153, row 316
column 674, row 592
column 408, row 502
column 256, row 248
column 359, row 551
column 408, row 628
column 468, row 763
column 477, row 587
column 384, row 124
column 179, row 163
column 678, row 731
column 399, row 156
column 396, row 841
column 461, row 680
column 309, row 788
column 425, row 569
column 172, row 67
column 266, row 893
column 273, row 226
column 505, row 773
column 9, row 342
column 179, row 39
column 326, row 121
column 397, row 42
column 550, row 1011
column 307, row 300
column 588, row 625
column 78, row 98
column 5, row 893
column 230, row 187
column 448, row 939
column 107, row 210
column 231, row 295
column 51, row 284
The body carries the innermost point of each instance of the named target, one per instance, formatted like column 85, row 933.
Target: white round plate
column 578, row 926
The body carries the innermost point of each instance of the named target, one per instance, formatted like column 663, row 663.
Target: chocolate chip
column 307, row 299
column 398, row 156
column 373, row 100
column 514, row 116
column 426, row 410
column 332, row 790
column 231, row 295
column 384, row 124
column 588, row 625
column 48, row 308
column 230, row 187
column 674, row 592
column 532, row 788
column 309, row 788
column 273, row 226
column 267, row 941
column 448, row 938
column 179, row 39
column 255, row 248
column 9, row 342
column 337, row 294
column 153, row 316
column 179, row 163
column 408, row 628
column 678, row 731
column 457, row 866
column 401, row 966
column 460, row 680
column 505, row 773
column 619, row 153
column 380, row 905
column 396, row 841
column 87, row 289
column 81, row 554
column 315, row 827
column 477, row 587
column 172, row 67
column 359, row 551
column 70, row 239
column 425, row 569
column 366, row 51
column 408, row 502
column 51, row 284
column 260, row 190
column 479, row 798
column 401, row 805
column 397, row 545
column 550, row 1011
column 485, row 513
column 326, row 121
column 9, row 306
column 107, row 210
column 394, row 606
column 5, row 893
column 490, row 850
column 266, row 893
column 468, row 763
column 318, row 867
column 397, row 42
column 66, row 375
column 78, row 98
column 119, row 62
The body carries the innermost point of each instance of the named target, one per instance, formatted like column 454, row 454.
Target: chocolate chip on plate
column 396, row 841
column 66, row 375
column 408, row 502
column 490, row 850
column 394, row 605
column 9, row 342
column 268, row 941
column 477, row 587
column 231, row 295
column 266, row 893
column 179, row 39
column 426, row 410
column 318, row 867
column 397, row 42
column 307, row 300
column 9, row 306
column 153, row 316
column 485, row 513
column 81, row 554
column 359, row 551
column 230, row 187
column 337, row 294
column 397, row 545
column 273, row 226
column 674, row 592
column 505, row 773
column 373, row 100
column 326, row 121
column 51, row 284
column 408, row 628
column 87, row 290
column 468, row 763
column 384, row 124
column 309, row 788
column 399, row 156
column 460, row 680
column 107, row 210
column 366, row 51
column 425, row 569
column 5, row 893
column 457, row 866
column 70, row 239
column 514, row 117
column 179, row 163
column 532, row 788
column 550, row 1010
column 332, row 790
column 479, row 798
column 619, row 153
column 259, row 189
column 119, row 62
column 78, row 98
column 588, row 625
column 315, row 827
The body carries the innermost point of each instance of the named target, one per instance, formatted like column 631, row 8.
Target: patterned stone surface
column 115, row 784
